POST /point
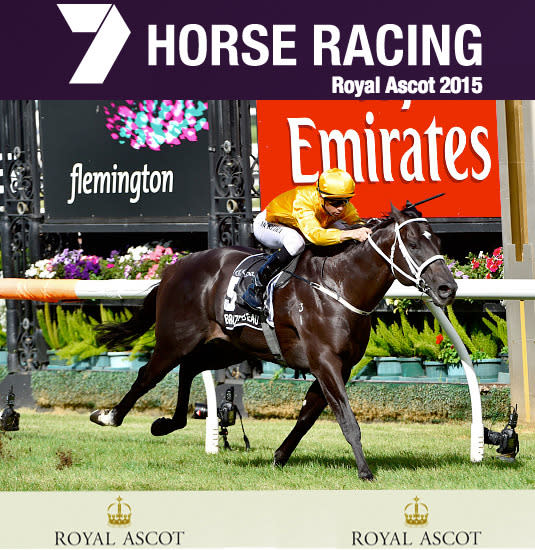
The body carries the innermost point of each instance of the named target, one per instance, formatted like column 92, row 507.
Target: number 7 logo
column 111, row 35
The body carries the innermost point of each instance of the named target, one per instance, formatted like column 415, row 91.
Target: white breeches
column 274, row 235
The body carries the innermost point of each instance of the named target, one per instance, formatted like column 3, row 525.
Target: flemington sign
column 125, row 161
column 395, row 151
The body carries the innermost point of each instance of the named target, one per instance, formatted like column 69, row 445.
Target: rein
column 415, row 269
column 333, row 294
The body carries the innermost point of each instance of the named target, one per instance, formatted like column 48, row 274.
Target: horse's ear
column 395, row 213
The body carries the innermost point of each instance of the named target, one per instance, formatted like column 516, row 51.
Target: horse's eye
column 413, row 245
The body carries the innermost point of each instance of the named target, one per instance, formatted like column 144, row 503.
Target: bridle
column 415, row 269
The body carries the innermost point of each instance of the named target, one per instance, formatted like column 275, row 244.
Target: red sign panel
column 395, row 151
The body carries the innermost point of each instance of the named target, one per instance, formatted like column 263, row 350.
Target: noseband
column 415, row 269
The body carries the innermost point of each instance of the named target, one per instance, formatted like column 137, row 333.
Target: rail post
column 516, row 121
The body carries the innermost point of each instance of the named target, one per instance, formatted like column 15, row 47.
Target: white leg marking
column 106, row 417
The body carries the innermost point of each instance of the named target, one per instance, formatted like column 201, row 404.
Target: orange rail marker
column 52, row 290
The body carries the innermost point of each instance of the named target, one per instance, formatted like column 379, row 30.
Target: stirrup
column 251, row 299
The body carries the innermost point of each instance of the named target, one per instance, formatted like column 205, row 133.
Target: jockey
column 304, row 213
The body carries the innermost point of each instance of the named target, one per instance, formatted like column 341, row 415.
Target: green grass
column 401, row 456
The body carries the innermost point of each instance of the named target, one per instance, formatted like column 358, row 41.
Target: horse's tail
column 113, row 335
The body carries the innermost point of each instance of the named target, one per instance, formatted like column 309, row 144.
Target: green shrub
column 498, row 328
column 274, row 399
column 98, row 389
column 378, row 401
column 403, row 340
column 391, row 338
column 73, row 334
column 79, row 331
column 485, row 346
column 424, row 342
column 49, row 328
column 460, row 330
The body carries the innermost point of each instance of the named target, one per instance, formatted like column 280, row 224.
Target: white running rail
column 476, row 289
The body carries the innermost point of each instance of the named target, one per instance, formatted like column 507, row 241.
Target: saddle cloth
column 236, row 313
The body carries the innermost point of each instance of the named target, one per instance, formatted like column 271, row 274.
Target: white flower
column 31, row 272
column 137, row 252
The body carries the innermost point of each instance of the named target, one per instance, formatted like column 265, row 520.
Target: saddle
column 237, row 314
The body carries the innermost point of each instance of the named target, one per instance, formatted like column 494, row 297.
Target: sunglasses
column 337, row 202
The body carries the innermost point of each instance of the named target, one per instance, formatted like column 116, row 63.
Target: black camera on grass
column 507, row 439
column 9, row 417
column 226, row 412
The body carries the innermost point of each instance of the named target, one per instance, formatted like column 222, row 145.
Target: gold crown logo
column 119, row 514
column 414, row 513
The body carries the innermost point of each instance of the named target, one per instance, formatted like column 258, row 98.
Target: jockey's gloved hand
column 360, row 234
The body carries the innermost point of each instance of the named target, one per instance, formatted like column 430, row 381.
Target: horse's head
column 415, row 256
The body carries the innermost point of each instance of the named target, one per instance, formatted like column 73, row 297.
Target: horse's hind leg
column 189, row 369
column 313, row 405
column 214, row 355
column 148, row 376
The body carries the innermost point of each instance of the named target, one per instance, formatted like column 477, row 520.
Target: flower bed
column 480, row 266
column 140, row 262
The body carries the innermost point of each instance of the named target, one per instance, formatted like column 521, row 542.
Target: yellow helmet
column 336, row 184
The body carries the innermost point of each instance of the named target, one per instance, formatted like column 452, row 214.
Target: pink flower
column 138, row 276
column 109, row 266
column 475, row 264
column 498, row 251
column 152, row 272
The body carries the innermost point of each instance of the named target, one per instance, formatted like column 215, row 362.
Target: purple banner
column 277, row 50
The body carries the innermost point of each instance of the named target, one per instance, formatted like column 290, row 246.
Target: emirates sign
column 395, row 151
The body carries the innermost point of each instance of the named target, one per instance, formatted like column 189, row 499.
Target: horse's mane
column 378, row 223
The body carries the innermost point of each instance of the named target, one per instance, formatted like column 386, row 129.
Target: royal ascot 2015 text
column 451, row 85
column 255, row 45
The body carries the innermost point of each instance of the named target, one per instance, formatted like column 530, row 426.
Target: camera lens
column 200, row 411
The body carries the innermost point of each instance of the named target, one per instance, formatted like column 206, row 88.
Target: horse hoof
column 164, row 426
column 367, row 477
column 279, row 461
column 103, row 417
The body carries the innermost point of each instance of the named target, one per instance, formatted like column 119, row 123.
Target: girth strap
column 273, row 343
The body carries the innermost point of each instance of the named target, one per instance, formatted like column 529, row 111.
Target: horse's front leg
column 332, row 381
column 313, row 405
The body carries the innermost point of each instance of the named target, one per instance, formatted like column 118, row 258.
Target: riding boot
column 254, row 295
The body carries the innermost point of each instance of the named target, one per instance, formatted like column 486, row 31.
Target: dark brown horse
column 316, row 332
